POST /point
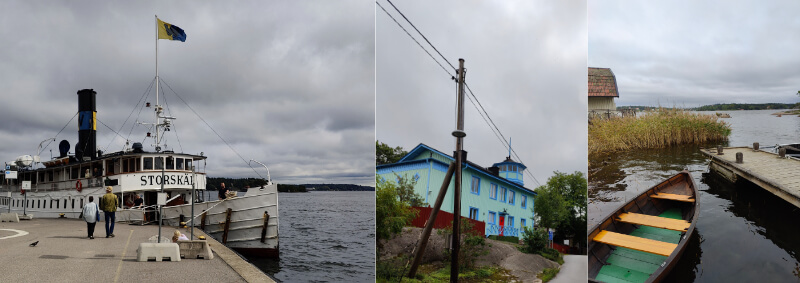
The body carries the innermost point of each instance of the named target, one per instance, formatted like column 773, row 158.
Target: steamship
column 61, row 186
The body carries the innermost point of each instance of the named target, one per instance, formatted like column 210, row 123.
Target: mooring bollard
column 782, row 152
column 755, row 146
column 739, row 158
column 719, row 150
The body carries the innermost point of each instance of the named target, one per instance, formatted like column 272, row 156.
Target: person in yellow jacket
column 109, row 203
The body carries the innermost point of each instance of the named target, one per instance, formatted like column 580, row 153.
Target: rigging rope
column 59, row 132
column 174, row 127
column 212, row 129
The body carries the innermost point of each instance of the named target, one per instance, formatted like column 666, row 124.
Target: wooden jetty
column 778, row 175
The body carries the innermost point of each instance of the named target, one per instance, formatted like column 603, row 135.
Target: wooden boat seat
column 655, row 221
column 635, row 243
column 675, row 197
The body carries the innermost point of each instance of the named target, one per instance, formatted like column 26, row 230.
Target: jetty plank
column 779, row 176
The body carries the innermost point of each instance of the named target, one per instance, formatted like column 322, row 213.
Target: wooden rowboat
column 643, row 239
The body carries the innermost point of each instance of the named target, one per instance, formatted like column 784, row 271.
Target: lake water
column 743, row 234
column 324, row 237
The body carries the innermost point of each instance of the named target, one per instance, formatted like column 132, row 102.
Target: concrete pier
column 64, row 253
column 779, row 176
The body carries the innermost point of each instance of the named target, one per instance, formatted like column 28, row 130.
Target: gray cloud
column 289, row 84
column 526, row 63
column 686, row 53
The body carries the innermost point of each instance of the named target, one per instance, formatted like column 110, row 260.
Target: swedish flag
column 170, row 31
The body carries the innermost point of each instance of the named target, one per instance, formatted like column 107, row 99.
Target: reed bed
column 659, row 128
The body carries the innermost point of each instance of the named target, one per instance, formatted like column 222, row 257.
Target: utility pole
column 459, row 155
column 455, row 168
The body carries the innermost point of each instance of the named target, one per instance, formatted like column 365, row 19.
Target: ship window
column 41, row 176
column 57, row 204
column 73, row 172
column 125, row 167
column 50, row 175
column 65, row 203
column 159, row 163
column 170, row 163
column 81, row 203
column 109, row 167
column 188, row 164
column 179, row 163
column 148, row 163
column 73, row 203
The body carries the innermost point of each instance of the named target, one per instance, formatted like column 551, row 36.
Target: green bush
column 390, row 269
column 391, row 214
column 552, row 254
column 533, row 240
column 472, row 245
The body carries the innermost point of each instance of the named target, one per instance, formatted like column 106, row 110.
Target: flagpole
column 157, row 79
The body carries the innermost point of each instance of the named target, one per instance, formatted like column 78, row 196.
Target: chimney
column 494, row 170
column 87, row 125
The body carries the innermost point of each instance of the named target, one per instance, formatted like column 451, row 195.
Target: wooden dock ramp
column 780, row 176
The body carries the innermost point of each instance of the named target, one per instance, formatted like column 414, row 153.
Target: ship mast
column 159, row 111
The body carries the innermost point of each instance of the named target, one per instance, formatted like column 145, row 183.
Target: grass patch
column 548, row 274
column 659, row 128
column 440, row 272
column 510, row 239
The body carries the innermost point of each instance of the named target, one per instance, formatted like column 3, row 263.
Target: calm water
column 744, row 234
column 324, row 237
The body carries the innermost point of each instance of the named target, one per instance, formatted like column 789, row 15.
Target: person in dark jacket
column 222, row 191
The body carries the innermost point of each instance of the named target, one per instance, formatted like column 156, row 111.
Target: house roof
column 602, row 83
column 422, row 148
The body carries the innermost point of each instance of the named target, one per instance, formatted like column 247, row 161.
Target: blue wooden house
column 496, row 195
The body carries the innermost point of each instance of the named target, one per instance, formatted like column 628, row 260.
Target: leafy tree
column 391, row 214
column 572, row 189
column 385, row 154
column 405, row 191
column 550, row 207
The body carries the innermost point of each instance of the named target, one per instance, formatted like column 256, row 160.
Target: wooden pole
column 203, row 221
column 422, row 242
column 264, row 228
column 227, row 226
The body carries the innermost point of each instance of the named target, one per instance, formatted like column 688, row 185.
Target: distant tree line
column 746, row 106
column 640, row 108
column 212, row 184
column 339, row 187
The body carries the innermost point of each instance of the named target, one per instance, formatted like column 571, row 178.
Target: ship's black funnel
column 87, row 125
column 63, row 148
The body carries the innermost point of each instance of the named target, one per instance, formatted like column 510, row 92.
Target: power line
column 415, row 40
column 481, row 110
column 420, row 33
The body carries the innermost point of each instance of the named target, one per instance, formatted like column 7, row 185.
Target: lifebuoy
column 21, row 191
column 79, row 186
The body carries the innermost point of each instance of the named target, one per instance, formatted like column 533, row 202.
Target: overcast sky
column 285, row 83
column 690, row 53
column 526, row 63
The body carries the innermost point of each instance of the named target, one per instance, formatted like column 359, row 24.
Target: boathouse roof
column 602, row 83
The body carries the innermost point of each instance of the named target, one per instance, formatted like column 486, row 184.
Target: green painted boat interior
column 627, row 265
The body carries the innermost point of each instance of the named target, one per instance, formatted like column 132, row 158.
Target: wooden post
column 264, row 228
column 422, row 242
column 203, row 221
column 227, row 226
column 755, row 146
